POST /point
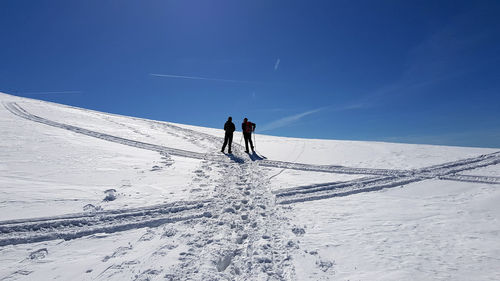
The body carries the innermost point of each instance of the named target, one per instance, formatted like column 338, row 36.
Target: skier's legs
column 250, row 140
column 230, row 141
column 226, row 138
column 246, row 137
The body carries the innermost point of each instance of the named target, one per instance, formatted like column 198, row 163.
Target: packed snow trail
column 444, row 171
column 14, row 108
column 244, row 239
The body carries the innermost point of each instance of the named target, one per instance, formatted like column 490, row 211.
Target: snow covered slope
column 87, row 195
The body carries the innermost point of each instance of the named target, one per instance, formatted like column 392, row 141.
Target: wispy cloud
column 199, row 78
column 275, row 109
column 286, row 121
column 353, row 106
column 51, row 93
column 277, row 64
column 289, row 120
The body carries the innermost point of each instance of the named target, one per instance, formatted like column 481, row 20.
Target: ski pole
column 254, row 142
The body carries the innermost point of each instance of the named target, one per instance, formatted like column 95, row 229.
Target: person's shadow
column 256, row 157
column 235, row 158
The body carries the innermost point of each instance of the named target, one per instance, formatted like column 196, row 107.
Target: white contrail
column 288, row 120
column 49, row 93
column 277, row 64
column 199, row 78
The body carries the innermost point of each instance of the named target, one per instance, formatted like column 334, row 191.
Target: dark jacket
column 229, row 127
column 248, row 127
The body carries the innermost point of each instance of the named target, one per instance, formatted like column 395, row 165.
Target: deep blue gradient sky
column 402, row 71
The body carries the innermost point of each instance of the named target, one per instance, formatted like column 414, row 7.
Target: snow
column 42, row 164
column 86, row 195
column 431, row 230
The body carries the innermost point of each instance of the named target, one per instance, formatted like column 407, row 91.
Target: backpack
column 248, row 127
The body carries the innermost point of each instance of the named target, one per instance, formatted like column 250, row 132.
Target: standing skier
column 248, row 127
column 228, row 137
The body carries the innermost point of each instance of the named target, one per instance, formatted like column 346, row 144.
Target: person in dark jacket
column 228, row 137
column 248, row 127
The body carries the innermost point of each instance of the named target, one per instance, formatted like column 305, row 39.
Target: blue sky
column 401, row 71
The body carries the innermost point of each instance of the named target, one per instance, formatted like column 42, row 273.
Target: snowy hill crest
column 189, row 212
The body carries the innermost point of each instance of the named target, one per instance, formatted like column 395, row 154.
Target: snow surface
column 86, row 195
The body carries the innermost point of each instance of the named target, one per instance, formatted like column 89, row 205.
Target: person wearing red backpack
column 248, row 127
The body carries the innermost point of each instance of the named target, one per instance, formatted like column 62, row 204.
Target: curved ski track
column 15, row 109
column 19, row 111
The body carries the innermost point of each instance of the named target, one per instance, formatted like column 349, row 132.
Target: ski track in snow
column 19, row 111
column 196, row 138
column 73, row 226
column 446, row 171
column 472, row 178
column 241, row 237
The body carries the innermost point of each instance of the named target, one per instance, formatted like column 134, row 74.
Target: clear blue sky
column 403, row 71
